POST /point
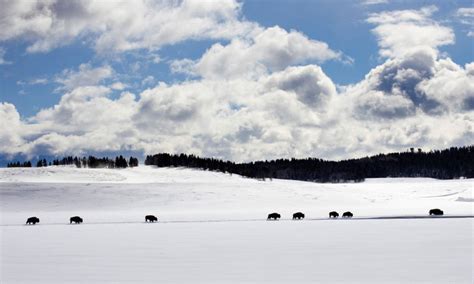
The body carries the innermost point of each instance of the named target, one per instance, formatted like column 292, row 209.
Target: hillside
column 452, row 163
column 180, row 193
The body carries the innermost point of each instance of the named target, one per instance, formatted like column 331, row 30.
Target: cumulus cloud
column 390, row 90
column 86, row 75
column 95, row 122
column 309, row 83
column 414, row 80
column 257, row 97
column 236, row 119
column 295, row 112
column 118, row 25
column 451, row 85
column 10, row 129
column 399, row 32
column 119, row 86
column 419, row 83
column 266, row 50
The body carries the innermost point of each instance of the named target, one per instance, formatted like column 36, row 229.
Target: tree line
column 84, row 162
column 455, row 162
column 26, row 164
column 452, row 163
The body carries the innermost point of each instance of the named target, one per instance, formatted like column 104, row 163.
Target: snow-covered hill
column 177, row 193
column 212, row 228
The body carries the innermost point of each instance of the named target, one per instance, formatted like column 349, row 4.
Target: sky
column 239, row 80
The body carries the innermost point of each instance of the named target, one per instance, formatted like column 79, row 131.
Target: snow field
column 212, row 229
column 369, row 251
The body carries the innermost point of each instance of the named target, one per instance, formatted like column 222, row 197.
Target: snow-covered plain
column 212, row 228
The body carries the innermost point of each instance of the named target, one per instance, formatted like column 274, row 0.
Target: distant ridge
column 452, row 163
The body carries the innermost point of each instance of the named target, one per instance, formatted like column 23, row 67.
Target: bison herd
column 300, row 215
column 272, row 216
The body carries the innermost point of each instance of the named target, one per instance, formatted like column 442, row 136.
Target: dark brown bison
column 333, row 214
column 274, row 216
column 436, row 212
column 298, row 215
column 75, row 219
column 150, row 218
column 347, row 215
column 32, row 220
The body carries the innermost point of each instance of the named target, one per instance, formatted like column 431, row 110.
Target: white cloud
column 466, row 17
column 409, row 86
column 37, row 81
column 10, row 129
column 401, row 31
column 374, row 2
column 451, row 85
column 389, row 90
column 149, row 80
column 266, row 50
column 3, row 61
column 86, row 75
column 465, row 12
column 94, row 122
column 119, row 86
column 309, row 83
column 118, row 25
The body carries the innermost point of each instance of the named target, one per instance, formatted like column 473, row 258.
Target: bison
column 150, row 218
column 274, row 216
column 298, row 215
column 436, row 212
column 32, row 220
column 333, row 214
column 347, row 215
column 75, row 219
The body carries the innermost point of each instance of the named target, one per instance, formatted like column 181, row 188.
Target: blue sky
column 334, row 53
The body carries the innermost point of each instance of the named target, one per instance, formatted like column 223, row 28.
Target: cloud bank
column 260, row 95
column 118, row 25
